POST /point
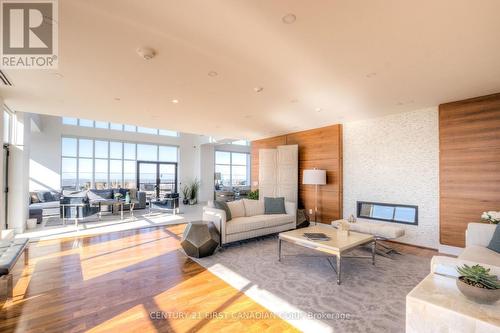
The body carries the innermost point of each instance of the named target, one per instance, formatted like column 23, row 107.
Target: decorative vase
column 476, row 294
column 192, row 201
column 127, row 198
column 343, row 230
column 185, row 201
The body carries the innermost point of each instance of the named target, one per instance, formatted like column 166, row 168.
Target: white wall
column 45, row 157
column 19, row 154
column 395, row 159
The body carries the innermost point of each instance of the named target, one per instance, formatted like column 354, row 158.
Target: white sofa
column 477, row 238
column 436, row 305
column 248, row 220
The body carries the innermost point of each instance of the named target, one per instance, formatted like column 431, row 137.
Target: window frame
column 123, row 127
column 93, row 158
column 230, row 165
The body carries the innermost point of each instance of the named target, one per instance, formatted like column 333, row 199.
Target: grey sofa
column 43, row 203
column 47, row 203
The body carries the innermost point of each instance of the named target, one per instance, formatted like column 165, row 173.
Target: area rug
column 302, row 289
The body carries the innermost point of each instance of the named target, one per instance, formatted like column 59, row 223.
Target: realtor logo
column 29, row 34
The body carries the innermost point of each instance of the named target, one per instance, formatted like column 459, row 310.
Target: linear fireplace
column 396, row 213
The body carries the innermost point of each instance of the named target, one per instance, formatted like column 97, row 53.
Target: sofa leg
column 6, row 287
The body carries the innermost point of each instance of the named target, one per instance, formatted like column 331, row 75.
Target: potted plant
column 478, row 284
column 253, row 195
column 186, row 193
column 194, row 187
column 491, row 217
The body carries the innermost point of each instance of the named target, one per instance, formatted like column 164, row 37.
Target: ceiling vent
column 4, row 80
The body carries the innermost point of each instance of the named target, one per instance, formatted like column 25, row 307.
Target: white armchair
column 477, row 238
column 249, row 226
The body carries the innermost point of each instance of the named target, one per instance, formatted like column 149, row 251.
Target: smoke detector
column 146, row 53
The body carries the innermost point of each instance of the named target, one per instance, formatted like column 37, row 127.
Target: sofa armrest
column 448, row 266
column 218, row 217
column 290, row 208
column 479, row 234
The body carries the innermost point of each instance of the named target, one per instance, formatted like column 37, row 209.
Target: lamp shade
column 314, row 177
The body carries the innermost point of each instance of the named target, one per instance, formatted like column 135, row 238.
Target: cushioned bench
column 381, row 231
column 10, row 251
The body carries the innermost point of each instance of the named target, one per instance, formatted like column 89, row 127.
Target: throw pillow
column 223, row 206
column 274, row 205
column 495, row 241
column 34, row 197
column 48, row 197
column 41, row 196
column 253, row 207
column 237, row 208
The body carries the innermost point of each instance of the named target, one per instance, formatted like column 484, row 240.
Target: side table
column 200, row 239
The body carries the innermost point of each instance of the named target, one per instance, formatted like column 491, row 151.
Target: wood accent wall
column 318, row 148
column 469, row 139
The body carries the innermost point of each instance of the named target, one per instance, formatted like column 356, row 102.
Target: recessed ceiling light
column 318, row 109
column 175, row 101
column 118, row 99
column 294, row 100
column 370, row 75
column 146, row 53
column 289, row 18
column 213, row 73
column 258, row 89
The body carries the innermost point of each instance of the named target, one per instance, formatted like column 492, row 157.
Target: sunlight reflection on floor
column 106, row 225
column 273, row 303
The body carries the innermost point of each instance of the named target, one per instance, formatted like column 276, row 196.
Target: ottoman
column 200, row 239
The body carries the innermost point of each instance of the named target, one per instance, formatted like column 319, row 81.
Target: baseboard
column 447, row 249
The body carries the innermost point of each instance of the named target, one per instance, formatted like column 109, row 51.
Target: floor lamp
column 314, row 177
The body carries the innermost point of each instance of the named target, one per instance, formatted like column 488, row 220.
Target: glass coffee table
column 338, row 245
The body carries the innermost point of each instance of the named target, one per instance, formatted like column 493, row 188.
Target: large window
column 233, row 168
column 117, row 127
column 7, row 126
column 94, row 163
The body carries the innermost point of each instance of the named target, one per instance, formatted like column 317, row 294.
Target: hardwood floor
column 113, row 282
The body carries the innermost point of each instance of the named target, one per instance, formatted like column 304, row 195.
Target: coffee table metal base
column 337, row 266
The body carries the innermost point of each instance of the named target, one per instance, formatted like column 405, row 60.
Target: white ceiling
column 354, row 59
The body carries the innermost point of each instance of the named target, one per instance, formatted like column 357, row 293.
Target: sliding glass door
column 157, row 178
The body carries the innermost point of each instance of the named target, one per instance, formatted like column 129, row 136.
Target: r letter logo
column 29, row 34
